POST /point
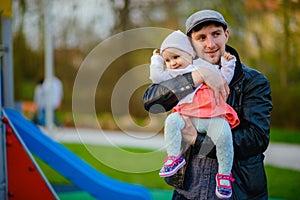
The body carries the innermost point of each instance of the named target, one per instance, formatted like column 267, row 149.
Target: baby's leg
column 174, row 161
column 219, row 131
column 172, row 133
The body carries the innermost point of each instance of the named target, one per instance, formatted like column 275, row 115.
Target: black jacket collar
column 238, row 72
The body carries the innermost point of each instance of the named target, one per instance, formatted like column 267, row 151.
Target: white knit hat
column 178, row 40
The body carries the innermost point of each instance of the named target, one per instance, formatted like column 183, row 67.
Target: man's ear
column 227, row 34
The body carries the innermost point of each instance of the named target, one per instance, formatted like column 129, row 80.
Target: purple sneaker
column 172, row 165
column 223, row 188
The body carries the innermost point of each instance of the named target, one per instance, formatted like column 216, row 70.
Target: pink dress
column 204, row 106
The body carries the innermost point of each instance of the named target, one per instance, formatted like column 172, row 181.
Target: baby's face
column 176, row 59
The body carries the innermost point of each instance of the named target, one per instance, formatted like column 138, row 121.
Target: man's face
column 209, row 43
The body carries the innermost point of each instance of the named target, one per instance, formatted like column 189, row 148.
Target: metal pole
column 8, row 80
column 6, row 86
column 3, row 164
column 48, row 64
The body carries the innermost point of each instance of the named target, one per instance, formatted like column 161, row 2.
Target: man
column 250, row 96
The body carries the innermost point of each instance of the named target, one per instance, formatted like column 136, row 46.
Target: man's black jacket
column 250, row 96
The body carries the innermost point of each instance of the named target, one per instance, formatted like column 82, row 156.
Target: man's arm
column 163, row 97
column 252, row 136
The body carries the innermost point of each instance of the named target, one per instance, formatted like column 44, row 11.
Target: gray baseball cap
column 203, row 16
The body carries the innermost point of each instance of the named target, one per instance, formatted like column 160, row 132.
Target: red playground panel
column 25, row 180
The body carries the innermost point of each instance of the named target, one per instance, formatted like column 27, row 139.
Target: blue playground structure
column 69, row 165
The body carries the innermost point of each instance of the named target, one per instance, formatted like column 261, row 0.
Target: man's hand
column 214, row 80
column 189, row 133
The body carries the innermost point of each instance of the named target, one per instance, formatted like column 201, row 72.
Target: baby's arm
column 227, row 66
column 157, row 72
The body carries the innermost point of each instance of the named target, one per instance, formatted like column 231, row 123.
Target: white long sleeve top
column 158, row 73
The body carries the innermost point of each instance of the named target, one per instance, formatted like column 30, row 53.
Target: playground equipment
column 63, row 161
column 6, row 84
column 23, row 172
column 20, row 175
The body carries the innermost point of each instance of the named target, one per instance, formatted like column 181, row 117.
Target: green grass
column 282, row 183
column 286, row 136
column 122, row 164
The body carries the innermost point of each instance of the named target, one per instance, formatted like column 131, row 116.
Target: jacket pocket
column 251, row 175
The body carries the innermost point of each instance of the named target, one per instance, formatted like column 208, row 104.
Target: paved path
column 277, row 154
column 283, row 155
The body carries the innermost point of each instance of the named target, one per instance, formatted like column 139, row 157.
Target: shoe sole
column 171, row 173
column 220, row 196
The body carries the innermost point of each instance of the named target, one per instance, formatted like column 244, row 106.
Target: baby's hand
column 228, row 56
column 228, row 60
column 156, row 52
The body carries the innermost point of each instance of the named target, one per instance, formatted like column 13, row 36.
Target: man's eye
column 217, row 34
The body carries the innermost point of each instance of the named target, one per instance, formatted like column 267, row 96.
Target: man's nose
column 210, row 42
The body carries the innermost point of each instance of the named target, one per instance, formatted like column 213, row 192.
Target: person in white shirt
column 40, row 100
